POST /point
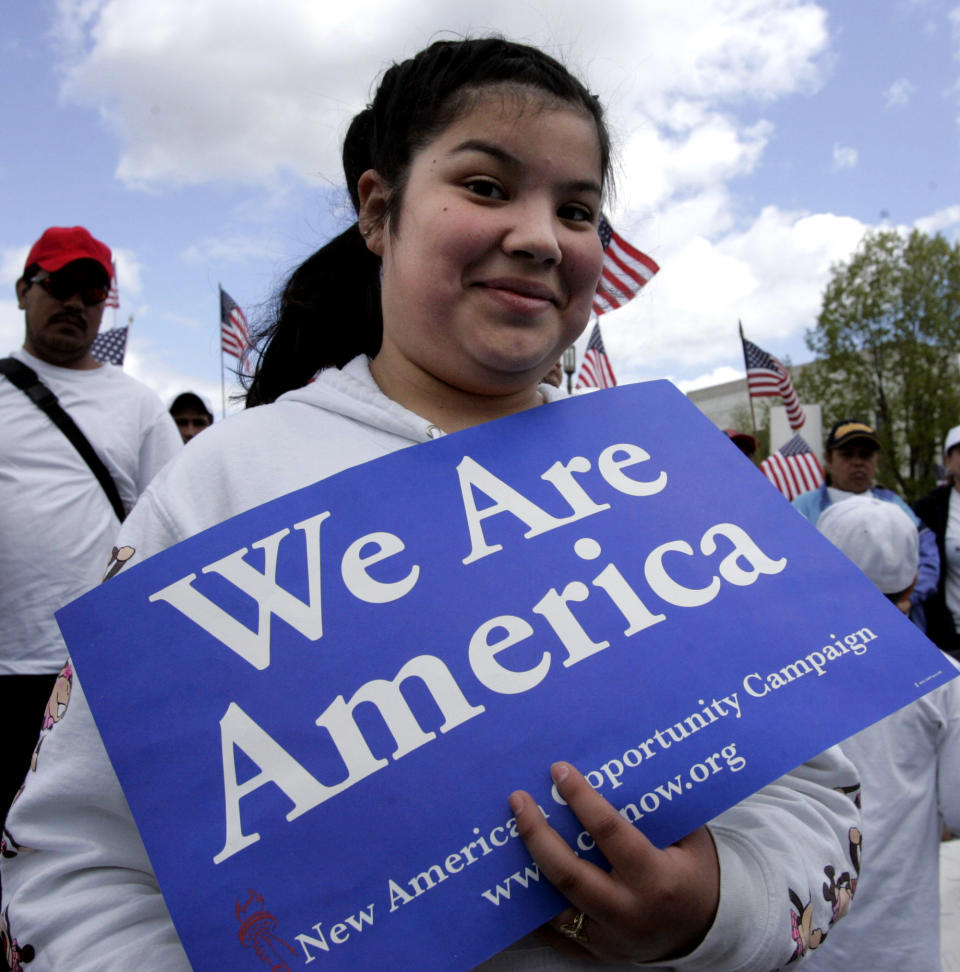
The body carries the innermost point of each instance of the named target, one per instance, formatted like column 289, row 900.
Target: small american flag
column 793, row 468
column 111, row 346
column 766, row 377
column 625, row 270
column 595, row 370
column 113, row 296
column 234, row 333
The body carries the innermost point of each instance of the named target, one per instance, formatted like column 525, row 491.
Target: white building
column 725, row 405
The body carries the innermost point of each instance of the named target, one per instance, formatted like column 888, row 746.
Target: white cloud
column 939, row 221
column 718, row 376
column 230, row 249
column 658, row 164
column 770, row 275
column 239, row 90
column 899, row 93
column 128, row 274
column 11, row 326
column 844, row 157
column 707, row 51
column 12, row 260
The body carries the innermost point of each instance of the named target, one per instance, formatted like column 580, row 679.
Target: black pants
column 22, row 701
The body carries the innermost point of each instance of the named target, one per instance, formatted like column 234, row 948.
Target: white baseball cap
column 952, row 439
column 877, row 536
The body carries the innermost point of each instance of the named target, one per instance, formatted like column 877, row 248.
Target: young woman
column 477, row 174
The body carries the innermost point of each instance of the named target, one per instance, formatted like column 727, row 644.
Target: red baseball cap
column 61, row 245
column 742, row 439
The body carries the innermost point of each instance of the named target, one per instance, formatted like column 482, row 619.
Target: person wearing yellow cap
column 851, row 456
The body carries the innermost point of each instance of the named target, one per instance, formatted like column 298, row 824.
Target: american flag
column 595, row 370
column 234, row 333
column 113, row 296
column 793, row 468
column 766, row 376
column 625, row 270
column 111, row 346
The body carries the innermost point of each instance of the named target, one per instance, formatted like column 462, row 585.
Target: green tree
column 886, row 345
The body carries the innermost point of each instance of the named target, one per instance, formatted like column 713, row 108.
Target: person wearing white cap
column 940, row 511
column 191, row 413
column 909, row 767
column 873, row 534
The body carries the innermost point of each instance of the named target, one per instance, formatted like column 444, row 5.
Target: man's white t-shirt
column 56, row 524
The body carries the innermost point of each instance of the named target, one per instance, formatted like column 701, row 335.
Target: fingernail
column 516, row 804
column 559, row 772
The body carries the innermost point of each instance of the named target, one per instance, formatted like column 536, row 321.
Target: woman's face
column 490, row 269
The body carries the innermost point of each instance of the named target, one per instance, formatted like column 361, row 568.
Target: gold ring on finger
column 574, row 929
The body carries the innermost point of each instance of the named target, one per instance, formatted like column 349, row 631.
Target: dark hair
column 329, row 310
column 189, row 402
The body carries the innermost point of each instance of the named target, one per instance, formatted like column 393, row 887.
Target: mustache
column 68, row 317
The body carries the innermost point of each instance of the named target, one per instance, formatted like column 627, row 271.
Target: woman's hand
column 653, row 905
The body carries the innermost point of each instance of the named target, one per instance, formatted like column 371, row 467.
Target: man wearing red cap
column 57, row 521
column 62, row 292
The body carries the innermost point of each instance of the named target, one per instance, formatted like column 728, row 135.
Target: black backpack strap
column 27, row 380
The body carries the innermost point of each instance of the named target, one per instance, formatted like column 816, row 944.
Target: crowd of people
column 477, row 174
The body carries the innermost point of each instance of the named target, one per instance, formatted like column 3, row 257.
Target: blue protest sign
column 335, row 693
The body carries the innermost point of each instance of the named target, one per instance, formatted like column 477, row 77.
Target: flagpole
column 223, row 388
column 223, row 391
column 115, row 286
column 753, row 414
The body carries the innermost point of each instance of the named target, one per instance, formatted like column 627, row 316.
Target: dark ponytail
column 329, row 311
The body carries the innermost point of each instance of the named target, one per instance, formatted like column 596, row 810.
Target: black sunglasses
column 62, row 285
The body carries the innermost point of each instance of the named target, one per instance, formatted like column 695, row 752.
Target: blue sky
column 757, row 141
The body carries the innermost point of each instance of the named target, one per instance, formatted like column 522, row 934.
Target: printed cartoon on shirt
column 13, row 952
column 118, row 558
column 838, row 891
column 804, row 935
column 55, row 710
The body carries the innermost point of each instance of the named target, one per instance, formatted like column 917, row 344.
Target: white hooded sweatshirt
column 79, row 891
